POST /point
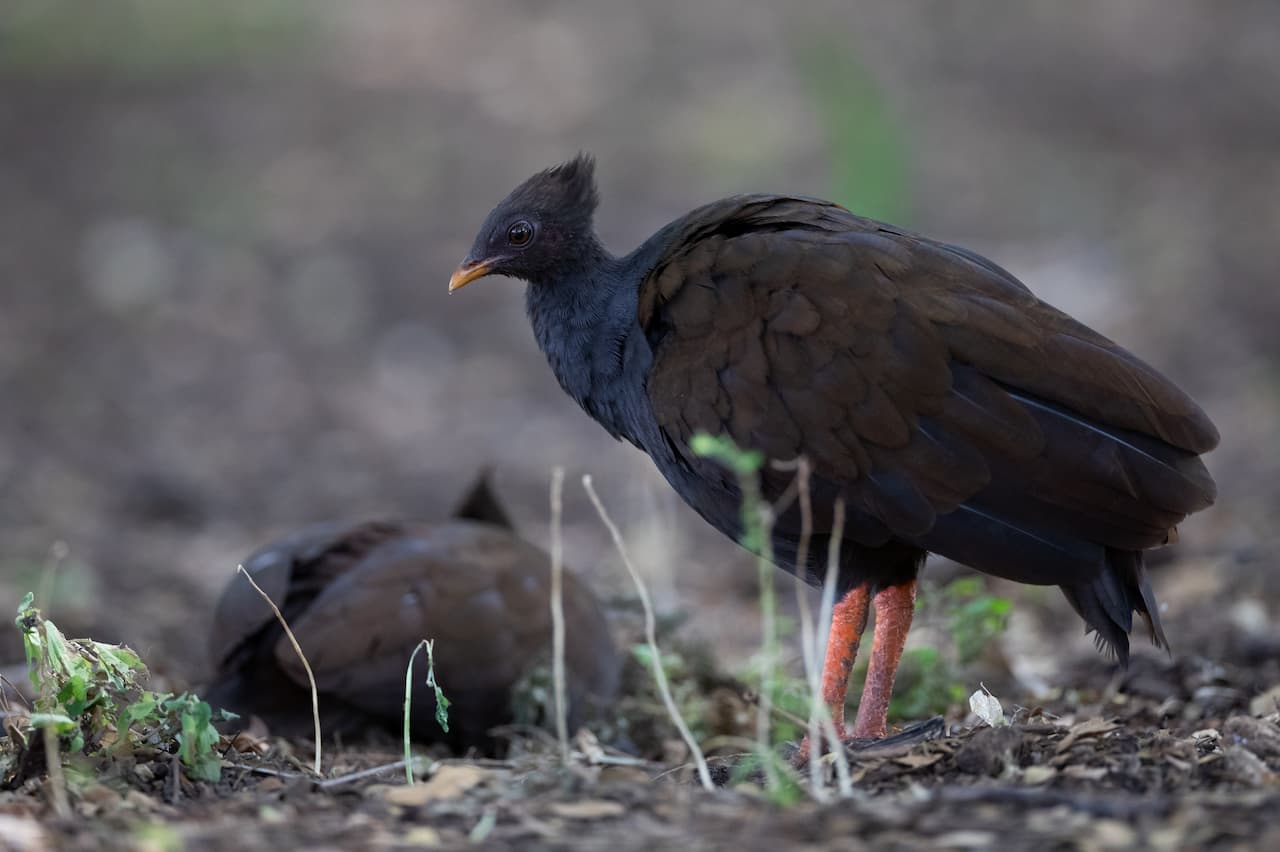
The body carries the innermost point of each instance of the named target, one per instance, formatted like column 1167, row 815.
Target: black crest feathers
column 570, row 186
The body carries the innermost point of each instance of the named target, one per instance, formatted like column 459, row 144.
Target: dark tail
column 1107, row 603
column 481, row 504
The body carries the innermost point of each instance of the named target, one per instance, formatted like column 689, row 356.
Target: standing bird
column 949, row 409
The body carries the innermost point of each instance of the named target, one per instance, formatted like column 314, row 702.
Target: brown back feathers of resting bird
column 360, row 597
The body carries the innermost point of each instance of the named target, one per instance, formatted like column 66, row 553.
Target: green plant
column 89, row 694
column 974, row 618
column 442, row 703
column 755, row 536
column 687, row 685
column 784, row 788
column 867, row 146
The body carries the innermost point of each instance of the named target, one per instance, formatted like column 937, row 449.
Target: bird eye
column 520, row 233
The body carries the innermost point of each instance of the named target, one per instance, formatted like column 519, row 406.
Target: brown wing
column 481, row 593
column 291, row 571
column 924, row 381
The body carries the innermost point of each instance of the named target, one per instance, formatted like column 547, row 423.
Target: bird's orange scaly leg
column 894, row 607
column 848, row 621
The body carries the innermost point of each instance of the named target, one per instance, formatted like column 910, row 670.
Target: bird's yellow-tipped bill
column 468, row 272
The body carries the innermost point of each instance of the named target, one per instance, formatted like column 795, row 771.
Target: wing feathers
column 949, row 403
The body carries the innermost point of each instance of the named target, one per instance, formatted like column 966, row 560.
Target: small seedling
column 442, row 703
column 756, row 537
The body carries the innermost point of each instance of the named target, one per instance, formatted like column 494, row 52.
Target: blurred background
column 226, row 231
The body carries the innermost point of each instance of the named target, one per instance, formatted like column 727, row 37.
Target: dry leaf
column 247, row 741
column 623, row 775
column 588, row 809
column 1088, row 728
column 22, row 834
column 586, row 742
column 449, row 782
column 419, row 836
column 1085, row 773
column 270, row 784
column 1113, row 834
column 1034, row 775
column 966, row 839
column 987, row 708
column 1267, row 702
column 917, row 760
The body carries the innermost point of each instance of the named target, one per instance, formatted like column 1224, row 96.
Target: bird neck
column 584, row 322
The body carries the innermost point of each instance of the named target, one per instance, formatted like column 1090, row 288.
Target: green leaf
column 442, row 710
column 55, row 646
column 442, row 703
column 142, row 710
column 60, row 721
column 25, row 610
column 74, row 696
column 198, row 739
column 121, row 664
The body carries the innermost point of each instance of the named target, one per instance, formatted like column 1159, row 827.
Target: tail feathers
column 481, row 504
column 1107, row 604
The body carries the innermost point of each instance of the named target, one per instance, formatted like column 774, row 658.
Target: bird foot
column 862, row 744
column 850, row 739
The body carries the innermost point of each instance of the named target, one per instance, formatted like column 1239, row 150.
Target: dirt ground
column 224, row 241
column 1171, row 755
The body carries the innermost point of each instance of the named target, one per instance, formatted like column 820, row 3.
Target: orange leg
column 894, row 607
column 848, row 621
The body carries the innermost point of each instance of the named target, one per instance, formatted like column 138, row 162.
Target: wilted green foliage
column 89, row 693
column 442, row 703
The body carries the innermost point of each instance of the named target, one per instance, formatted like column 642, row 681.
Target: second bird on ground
column 360, row 597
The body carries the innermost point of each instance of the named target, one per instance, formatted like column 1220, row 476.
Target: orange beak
column 469, row 271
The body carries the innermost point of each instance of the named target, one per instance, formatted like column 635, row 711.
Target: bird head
column 538, row 229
